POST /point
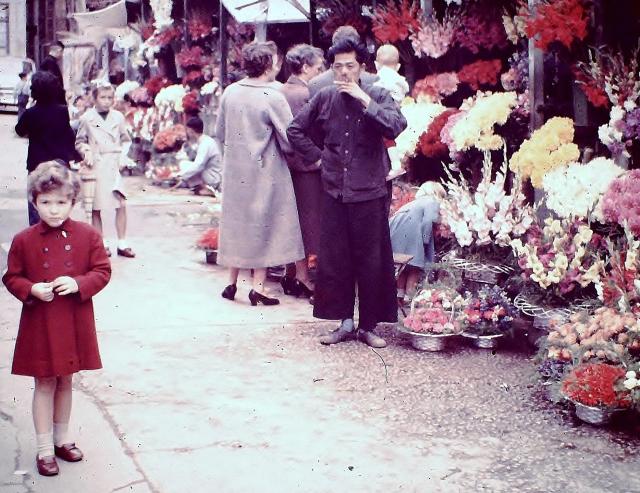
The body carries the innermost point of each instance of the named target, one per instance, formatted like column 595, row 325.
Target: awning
column 112, row 16
column 268, row 11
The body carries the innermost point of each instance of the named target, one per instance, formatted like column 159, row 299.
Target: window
column 4, row 28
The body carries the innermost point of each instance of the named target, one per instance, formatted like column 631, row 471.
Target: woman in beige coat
column 259, row 225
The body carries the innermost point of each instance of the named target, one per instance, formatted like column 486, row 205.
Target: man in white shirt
column 205, row 171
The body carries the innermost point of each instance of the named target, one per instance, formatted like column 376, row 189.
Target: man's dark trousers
column 355, row 248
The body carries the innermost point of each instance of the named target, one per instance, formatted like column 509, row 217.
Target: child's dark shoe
column 126, row 252
column 69, row 452
column 47, row 466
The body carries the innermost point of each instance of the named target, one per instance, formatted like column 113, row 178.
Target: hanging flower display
column 563, row 21
column 190, row 58
column 433, row 38
column 393, row 23
column 155, row 84
column 576, row 189
column 434, row 87
column 549, row 147
column 621, row 203
column 199, row 28
column 480, row 73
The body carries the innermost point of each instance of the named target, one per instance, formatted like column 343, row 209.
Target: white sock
column 347, row 325
column 122, row 244
column 44, row 443
column 60, row 434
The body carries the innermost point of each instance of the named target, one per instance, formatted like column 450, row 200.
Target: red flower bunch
column 478, row 31
column 209, row 239
column 558, row 20
column 170, row 139
column 155, row 84
column 190, row 57
column 481, row 73
column 166, row 36
column 430, row 144
column 193, row 78
column 199, row 28
column 435, row 87
column 595, row 385
column 592, row 88
column 190, row 103
column 621, row 202
column 393, row 22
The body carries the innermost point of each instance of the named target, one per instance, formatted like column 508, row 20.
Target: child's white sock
column 401, row 293
column 60, row 434
column 122, row 244
column 44, row 442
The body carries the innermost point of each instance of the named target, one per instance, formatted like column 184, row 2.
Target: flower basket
column 483, row 341
column 208, row 242
column 429, row 342
column 211, row 256
column 544, row 318
column 597, row 416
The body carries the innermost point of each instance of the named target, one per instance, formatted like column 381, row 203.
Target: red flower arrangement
column 559, row 20
column 393, row 22
column 481, row 73
column 155, row 84
column 190, row 57
column 209, row 239
column 199, row 29
column 166, row 36
column 190, row 103
column 595, row 385
column 478, row 31
column 170, row 139
column 430, row 144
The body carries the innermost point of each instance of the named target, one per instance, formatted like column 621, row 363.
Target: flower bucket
column 211, row 256
column 597, row 416
column 483, row 342
column 428, row 342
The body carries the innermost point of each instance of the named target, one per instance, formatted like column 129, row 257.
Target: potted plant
column 433, row 318
column 487, row 317
column 596, row 393
column 208, row 242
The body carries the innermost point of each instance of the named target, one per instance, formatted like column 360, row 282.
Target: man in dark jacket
column 355, row 245
column 51, row 64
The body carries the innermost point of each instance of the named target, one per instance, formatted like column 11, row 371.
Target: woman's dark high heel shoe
column 255, row 298
column 288, row 285
column 230, row 292
column 301, row 289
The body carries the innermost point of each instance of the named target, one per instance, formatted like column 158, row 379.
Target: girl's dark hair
column 45, row 87
column 300, row 55
column 195, row 124
column 348, row 45
column 257, row 57
column 50, row 176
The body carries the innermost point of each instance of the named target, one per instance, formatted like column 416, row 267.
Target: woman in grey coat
column 412, row 234
column 259, row 224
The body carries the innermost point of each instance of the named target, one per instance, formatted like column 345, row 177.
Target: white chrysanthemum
column 171, row 96
column 125, row 88
column 576, row 189
column 209, row 88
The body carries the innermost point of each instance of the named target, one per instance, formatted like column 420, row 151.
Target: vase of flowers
column 208, row 242
column 432, row 323
column 487, row 317
column 595, row 391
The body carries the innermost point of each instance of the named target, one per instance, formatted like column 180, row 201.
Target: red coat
column 58, row 337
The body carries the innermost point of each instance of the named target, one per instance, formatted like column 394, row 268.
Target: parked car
column 10, row 67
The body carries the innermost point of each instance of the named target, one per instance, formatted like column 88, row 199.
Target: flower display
column 394, row 22
column 515, row 27
column 560, row 256
column 190, row 103
column 621, row 203
column 338, row 13
column 577, row 189
column 434, row 87
column 165, row 36
column 155, row 84
column 209, row 239
column 605, row 336
column 435, row 310
column 563, row 21
column 517, row 77
column 418, row 115
column 171, row 96
column 210, row 87
column 190, row 57
column 480, row 73
column 596, row 385
column 433, row 38
column 631, row 384
column 622, row 130
column 430, row 144
column 477, row 31
column 125, row 88
column 161, row 13
column 488, row 312
column 481, row 114
column 487, row 216
column 549, row 147
column 170, row 139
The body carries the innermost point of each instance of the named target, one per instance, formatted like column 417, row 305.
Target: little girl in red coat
column 54, row 268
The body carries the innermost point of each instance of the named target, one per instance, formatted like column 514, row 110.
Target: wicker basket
column 483, row 342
